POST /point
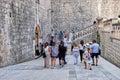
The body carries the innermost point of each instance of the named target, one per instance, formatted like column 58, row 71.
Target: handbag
column 37, row 53
column 44, row 55
column 88, row 55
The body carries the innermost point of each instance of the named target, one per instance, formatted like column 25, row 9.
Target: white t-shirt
column 65, row 42
column 52, row 34
column 95, row 48
column 81, row 47
column 47, row 50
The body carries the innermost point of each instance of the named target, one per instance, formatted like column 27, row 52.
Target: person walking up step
column 62, row 52
column 47, row 53
column 95, row 51
column 87, row 57
column 54, row 53
column 75, row 53
column 81, row 47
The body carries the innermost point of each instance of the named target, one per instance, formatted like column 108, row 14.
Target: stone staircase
column 87, row 34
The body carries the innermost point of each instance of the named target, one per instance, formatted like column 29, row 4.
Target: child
column 87, row 58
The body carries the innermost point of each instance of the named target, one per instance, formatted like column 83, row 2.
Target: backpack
column 88, row 55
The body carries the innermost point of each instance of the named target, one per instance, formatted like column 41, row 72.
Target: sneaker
column 93, row 64
column 36, row 57
column 96, row 65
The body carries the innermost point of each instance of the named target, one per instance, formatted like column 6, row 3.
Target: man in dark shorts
column 95, row 51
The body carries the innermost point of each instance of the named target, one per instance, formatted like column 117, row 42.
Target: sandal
column 90, row 68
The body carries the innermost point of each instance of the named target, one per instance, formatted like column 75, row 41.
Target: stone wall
column 74, row 14
column 110, row 49
column 3, row 33
column 44, row 17
column 109, row 8
column 110, row 44
column 18, row 19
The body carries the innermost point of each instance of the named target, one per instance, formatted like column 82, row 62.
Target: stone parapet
column 110, row 42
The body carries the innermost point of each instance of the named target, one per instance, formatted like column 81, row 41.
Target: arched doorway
column 37, row 34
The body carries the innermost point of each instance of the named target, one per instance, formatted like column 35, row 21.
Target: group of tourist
column 55, row 50
column 87, row 53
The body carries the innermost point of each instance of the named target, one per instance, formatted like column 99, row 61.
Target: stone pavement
column 33, row 70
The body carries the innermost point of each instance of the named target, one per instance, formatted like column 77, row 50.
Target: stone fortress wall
column 109, row 8
column 76, row 14
column 18, row 20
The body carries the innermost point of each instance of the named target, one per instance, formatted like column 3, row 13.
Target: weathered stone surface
column 74, row 14
column 110, row 8
column 18, row 19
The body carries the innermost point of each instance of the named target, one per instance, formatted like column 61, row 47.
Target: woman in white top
column 65, row 45
column 81, row 50
column 47, row 53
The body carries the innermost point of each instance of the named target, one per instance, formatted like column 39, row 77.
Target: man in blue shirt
column 60, row 35
column 95, row 51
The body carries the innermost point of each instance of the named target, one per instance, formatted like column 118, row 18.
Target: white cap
column 87, row 45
